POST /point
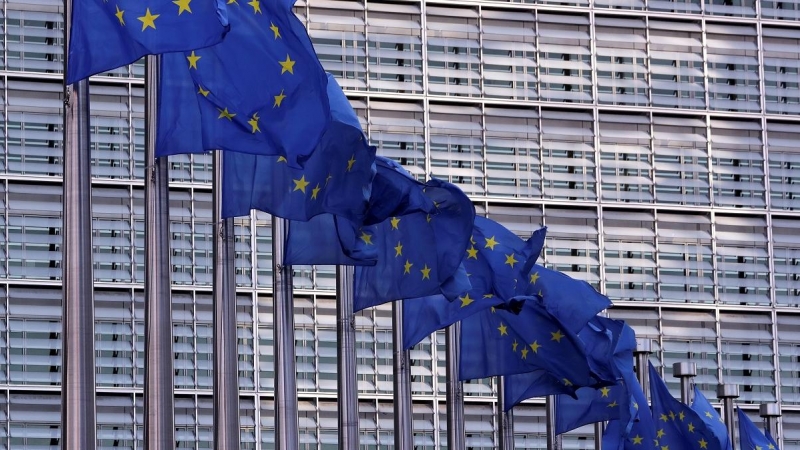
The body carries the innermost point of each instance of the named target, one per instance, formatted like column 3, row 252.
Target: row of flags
column 243, row 78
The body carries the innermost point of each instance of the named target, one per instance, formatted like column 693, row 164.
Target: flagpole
column 454, row 394
column 286, row 421
column 226, row 359
column 643, row 349
column 78, row 404
column 403, row 434
column 505, row 420
column 598, row 435
column 770, row 412
column 686, row 371
column 159, row 410
column 727, row 392
column 346, row 359
column 553, row 440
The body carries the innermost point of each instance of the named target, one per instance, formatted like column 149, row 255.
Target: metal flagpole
column 226, row 359
column 686, row 371
column 346, row 359
column 505, row 420
column 286, row 422
column 598, row 435
column 78, row 407
column 643, row 349
column 403, row 434
column 454, row 394
column 553, row 440
column 159, row 410
column 770, row 412
column 726, row 393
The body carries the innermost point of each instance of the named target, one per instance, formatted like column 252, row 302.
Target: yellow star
column 426, row 272
column 490, row 243
column 119, row 14
column 328, row 179
column 635, row 405
column 256, row 6
column 672, row 415
column 398, row 251
column 472, row 253
column 535, row 346
column 691, row 427
column 223, row 113
column 660, row 433
column 758, row 447
column 663, row 417
column 428, row 218
column 282, row 159
column 703, row 443
column 771, row 447
column 350, row 163
column 488, row 295
column 149, row 20
column 300, row 185
column 366, row 237
column 254, row 123
column 503, row 329
column 275, row 30
column 665, row 447
column 395, row 222
column 465, row 300
column 407, row 267
column 183, row 5
column 534, row 277
column 193, row 60
column 637, row 440
column 556, row 336
column 315, row 192
column 708, row 414
column 471, row 238
column 279, row 99
column 613, row 404
column 203, row 92
column 567, row 382
column 604, row 391
column 287, row 66
column 510, row 260
column 524, row 352
column 230, row 2
column 514, row 346
column 681, row 416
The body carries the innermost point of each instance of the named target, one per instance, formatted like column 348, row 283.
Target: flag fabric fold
column 712, row 419
column 750, row 437
column 262, row 90
column 109, row 34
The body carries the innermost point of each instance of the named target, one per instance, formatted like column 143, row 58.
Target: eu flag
column 677, row 425
column 521, row 336
column 336, row 178
column 261, row 90
column 573, row 301
column 418, row 254
column 750, row 437
column 110, row 34
column 709, row 415
column 494, row 271
column 635, row 430
column 538, row 383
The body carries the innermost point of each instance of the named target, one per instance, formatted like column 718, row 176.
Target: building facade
column 656, row 139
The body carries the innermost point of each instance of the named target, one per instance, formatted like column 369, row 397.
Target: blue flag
column 573, row 301
column 677, row 425
column 493, row 270
column 418, row 254
column 336, row 178
column 262, row 90
column 709, row 415
column 610, row 344
column 538, row 383
column 521, row 336
column 110, row 34
column 750, row 437
column 638, row 430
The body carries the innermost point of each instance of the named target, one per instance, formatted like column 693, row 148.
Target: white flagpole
column 346, row 359
column 454, row 393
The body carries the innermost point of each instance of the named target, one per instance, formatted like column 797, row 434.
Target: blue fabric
column 262, row 90
column 638, row 430
column 418, row 254
column 521, row 336
column 709, row 415
column 750, row 437
column 336, row 178
column 110, row 34
column 572, row 301
column 492, row 270
column 677, row 425
column 538, row 383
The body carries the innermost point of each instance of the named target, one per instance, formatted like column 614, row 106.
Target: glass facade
column 656, row 139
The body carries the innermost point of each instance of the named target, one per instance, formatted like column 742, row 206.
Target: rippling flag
column 750, row 437
column 711, row 417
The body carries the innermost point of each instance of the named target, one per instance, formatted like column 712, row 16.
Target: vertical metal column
column 770, row 412
column 726, row 393
column 553, row 440
column 286, row 425
column 686, row 371
column 598, row 435
column 159, row 400
column 403, row 431
column 226, row 358
column 454, row 393
column 346, row 359
column 78, row 407
column 505, row 420
column 643, row 349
